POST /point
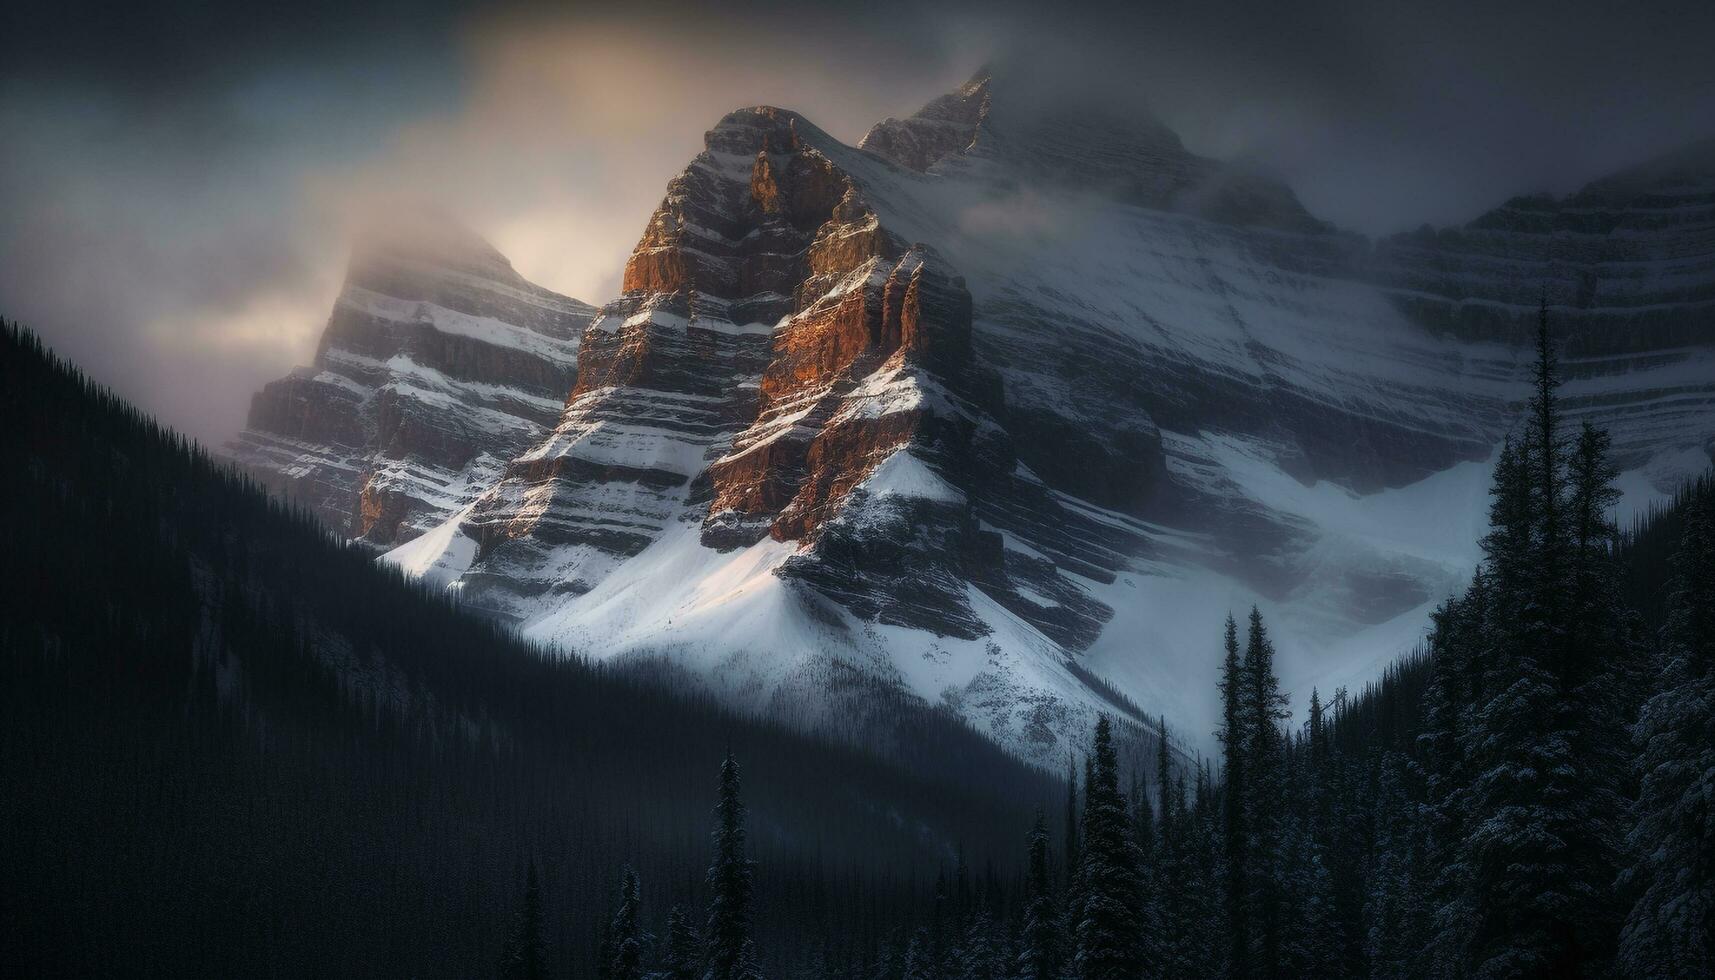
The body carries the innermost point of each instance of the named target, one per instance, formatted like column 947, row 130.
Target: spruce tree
column 1235, row 742
column 980, row 956
column 1042, row 945
column 526, row 955
column 919, row 959
column 1167, row 911
column 1670, row 930
column 731, row 955
column 1070, row 855
column 1537, row 858
column 1393, row 911
column 1109, row 930
column 683, row 953
column 1264, row 707
column 625, row 935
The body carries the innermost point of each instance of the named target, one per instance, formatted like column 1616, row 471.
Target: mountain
column 234, row 746
column 1010, row 405
column 438, row 365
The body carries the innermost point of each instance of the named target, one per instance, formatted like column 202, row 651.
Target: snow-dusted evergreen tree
column 1109, row 932
column 1394, row 910
column 1168, row 921
column 682, row 953
column 1042, row 945
column 1235, row 743
column 1670, row 931
column 625, row 932
column 526, row 953
column 981, row 953
column 920, row 960
column 1206, row 907
column 1538, row 855
column 1069, row 852
column 730, row 954
column 1264, row 707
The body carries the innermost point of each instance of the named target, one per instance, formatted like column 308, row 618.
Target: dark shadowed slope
column 232, row 746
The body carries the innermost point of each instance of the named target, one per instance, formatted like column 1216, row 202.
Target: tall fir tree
column 730, row 955
column 1167, row 872
column 1042, row 943
column 625, row 932
column 526, row 954
column 1109, row 929
column 1264, row 708
column 1235, row 743
column 683, row 950
column 1670, row 930
column 1071, row 859
column 1538, row 856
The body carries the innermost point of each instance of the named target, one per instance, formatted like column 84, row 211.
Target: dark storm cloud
column 175, row 173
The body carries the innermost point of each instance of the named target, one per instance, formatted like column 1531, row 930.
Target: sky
column 178, row 179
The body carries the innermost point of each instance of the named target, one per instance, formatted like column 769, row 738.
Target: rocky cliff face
column 1011, row 406
column 438, row 365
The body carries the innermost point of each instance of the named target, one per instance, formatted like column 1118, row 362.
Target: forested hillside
column 232, row 746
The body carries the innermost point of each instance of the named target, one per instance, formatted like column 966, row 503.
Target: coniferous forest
column 234, row 746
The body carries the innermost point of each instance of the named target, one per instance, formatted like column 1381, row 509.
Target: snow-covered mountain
column 438, row 365
column 1009, row 406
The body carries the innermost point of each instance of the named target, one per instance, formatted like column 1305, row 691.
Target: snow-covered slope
column 438, row 365
column 1022, row 398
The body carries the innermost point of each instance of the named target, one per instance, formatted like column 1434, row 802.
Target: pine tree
column 1072, row 858
column 1455, row 683
column 731, row 955
column 1264, row 707
column 1042, row 946
column 684, row 948
column 1670, row 931
column 625, row 935
column 919, row 960
column 1538, row 854
column 1393, row 910
column 1235, row 742
column 1167, row 912
column 980, row 956
column 1109, row 930
column 1207, row 945
column 526, row 955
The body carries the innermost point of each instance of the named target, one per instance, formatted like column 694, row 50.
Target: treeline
column 233, row 746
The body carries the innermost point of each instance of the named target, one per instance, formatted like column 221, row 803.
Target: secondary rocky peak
column 427, row 235
column 1015, row 127
column 438, row 363
column 942, row 128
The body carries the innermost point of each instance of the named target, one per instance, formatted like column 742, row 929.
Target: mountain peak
column 420, row 234
column 944, row 127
